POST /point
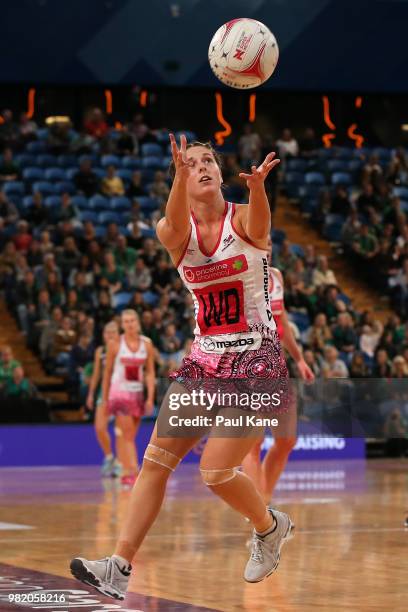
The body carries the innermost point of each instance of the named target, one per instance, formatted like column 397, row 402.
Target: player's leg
column 274, row 463
column 128, row 427
column 252, row 466
column 102, row 435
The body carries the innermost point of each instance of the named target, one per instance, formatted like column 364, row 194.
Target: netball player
column 129, row 364
column 198, row 230
column 110, row 466
column 266, row 474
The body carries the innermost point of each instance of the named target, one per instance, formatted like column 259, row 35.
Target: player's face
column 205, row 177
column 130, row 324
column 109, row 335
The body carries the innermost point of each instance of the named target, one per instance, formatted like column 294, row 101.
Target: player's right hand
column 89, row 402
column 180, row 156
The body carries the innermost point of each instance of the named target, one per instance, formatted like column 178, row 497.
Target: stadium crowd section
column 78, row 212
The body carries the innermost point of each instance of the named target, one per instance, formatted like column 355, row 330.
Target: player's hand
column 305, row 372
column 259, row 174
column 149, row 407
column 89, row 401
column 180, row 156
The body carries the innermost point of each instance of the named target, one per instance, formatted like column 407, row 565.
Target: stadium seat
column 88, row 215
column 46, row 160
column 191, row 136
column 110, row 160
column 278, row 236
column 404, row 205
column 125, row 174
column 42, row 133
column 309, row 205
column 79, row 201
column 100, row 172
column 152, row 162
column 150, row 298
column 314, row 178
column 14, row 188
column 70, row 173
column 108, row 217
column 52, row 201
column 67, row 161
column 44, row 187
column 28, row 201
column 297, row 250
column 148, row 233
column 98, row 202
column 93, row 157
column 121, row 300
column 383, row 153
column 294, row 178
column 354, row 165
column 100, row 231
column 296, row 165
column 309, row 191
column 120, row 204
column 341, row 178
column 151, row 149
column 401, row 192
column 33, row 174
column 54, row 174
column 148, row 175
column 148, row 204
column 337, row 165
column 65, row 187
column 36, row 146
column 25, row 160
column 131, row 162
column 166, row 161
column 300, row 319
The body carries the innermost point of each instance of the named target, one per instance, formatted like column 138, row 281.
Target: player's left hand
column 149, row 407
column 259, row 174
column 305, row 372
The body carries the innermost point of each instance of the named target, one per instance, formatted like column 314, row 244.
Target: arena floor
column 349, row 552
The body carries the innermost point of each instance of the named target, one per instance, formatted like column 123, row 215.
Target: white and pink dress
column 126, row 392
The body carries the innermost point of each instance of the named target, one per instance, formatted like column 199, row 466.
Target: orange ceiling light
column 143, row 98
column 30, row 103
column 358, row 102
column 108, row 102
column 221, row 135
column 252, row 108
column 327, row 138
column 357, row 138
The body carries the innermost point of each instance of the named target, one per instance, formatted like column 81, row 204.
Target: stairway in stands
column 299, row 231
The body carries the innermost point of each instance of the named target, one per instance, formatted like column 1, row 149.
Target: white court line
column 14, row 527
column 204, row 537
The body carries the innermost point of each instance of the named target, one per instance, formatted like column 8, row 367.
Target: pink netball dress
column 126, row 395
column 235, row 332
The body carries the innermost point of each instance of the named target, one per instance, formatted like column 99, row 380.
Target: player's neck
column 208, row 212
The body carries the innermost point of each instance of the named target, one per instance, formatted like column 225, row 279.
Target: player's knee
column 157, row 459
column 217, row 477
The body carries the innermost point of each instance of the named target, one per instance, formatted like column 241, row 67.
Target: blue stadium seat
column 28, row 201
column 309, row 191
column 401, row 192
column 163, row 137
column 46, row 160
column 65, row 187
column 42, row 133
column 150, row 298
column 111, row 160
column 79, row 201
column 337, row 165
column 151, row 149
column 88, row 215
column 121, row 299
column 120, row 204
column 294, row 178
column 100, row 172
column 297, row 165
column 341, row 178
column 314, row 178
column 309, row 205
column 166, row 161
column 36, row 146
column 278, row 236
column 148, row 204
column 67, row 161
column 44, row 187
column 300, row 319
column 131, row 162
column 341, row 152
column 383, row 153
column 92, row 156
column 152, row 162
column 354, row 165
column 100, row 231
column 52, row 201
column 54, row 174
column 33, row 174
column 14, row 188
column 361, row 153
column 108, row 217
column 125, row 174
column 297, row 250
column 404, row 205
column 70, row 173
column 25, row 160
column 148, row 233
column 148, row 175
column 191, row 136
column 98, row 202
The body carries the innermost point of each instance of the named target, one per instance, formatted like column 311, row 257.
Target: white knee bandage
column 161, row 456
column 216, row 477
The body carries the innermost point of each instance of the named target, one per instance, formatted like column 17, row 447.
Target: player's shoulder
column 277, row 273
column 146, row 339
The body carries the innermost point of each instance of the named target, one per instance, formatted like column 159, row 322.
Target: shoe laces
column 257, row 552
column 110, row 569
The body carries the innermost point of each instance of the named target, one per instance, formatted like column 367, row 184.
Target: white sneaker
column 106, row 575
column 265, row 554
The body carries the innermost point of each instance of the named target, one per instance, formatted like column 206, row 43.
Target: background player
column 129, row 363
column 110, row 465
column 267, row 473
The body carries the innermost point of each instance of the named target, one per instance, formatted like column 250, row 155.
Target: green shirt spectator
column 7, row 364
column 18, row 386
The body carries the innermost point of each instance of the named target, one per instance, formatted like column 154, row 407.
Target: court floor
column 349, row 553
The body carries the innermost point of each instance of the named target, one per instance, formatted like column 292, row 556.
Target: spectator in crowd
column 399, row 368
column 95, row 124
column 322, row 275
column 8, row 211
column 284, row 259
column 372, row 170
column 162, row 277
column 365, row 243
column 68, row 257
column 126, row 143
column 125, row 256
column 112, row 184
column 311, row 360
column 250, row 147
column 358, row 367
column 287, row 145
column 330, row 303
column 332, row 366
column 112, row 276
column 135, row 188
column 319, row 334
column 18, row 386
column 46, row 244
column 81, row 354
column 148, row 327
column 85, row 179
column 169, row 342
column 398, row 169
column 59, row 136
column 382, row 364
column 340, row 204
column 140, row 277
column 367, row 199
column 104, row 311
column 159, row 189
column 9, row 134
column 37, row 213
column 344, row 334
column 66, row 212
column 139, row 129
column 22, row 239
column 370, row 338
column 7, row 364
column 9, row 169
column 27, row 129
column 48, row 333
column 309, row 144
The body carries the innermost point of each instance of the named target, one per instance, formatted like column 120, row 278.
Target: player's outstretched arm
column 174, row 228
column 258, row 218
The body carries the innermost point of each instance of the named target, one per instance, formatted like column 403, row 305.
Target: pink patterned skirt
column 126, row 403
